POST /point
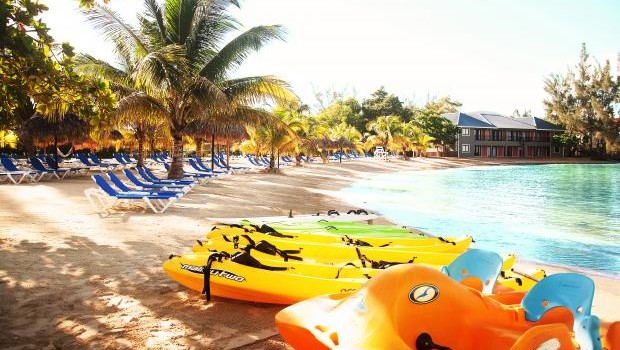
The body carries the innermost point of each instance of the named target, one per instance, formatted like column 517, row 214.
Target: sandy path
column 71, row 279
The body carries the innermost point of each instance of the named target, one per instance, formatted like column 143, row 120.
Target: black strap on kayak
column 381, row 264
column 213, row 228
column 446, row 240
column 352, row 211
column 268, row 230
column 425, row 342
column 385, row 245
column 322, row 220
column 361, row 211
column 206, row 272
column 331, row 227
column 333, row 212
column 361, row 256
column 268, row 248
column 199, row 242
column 345, row 265
column 353, row 241
column 244, row 258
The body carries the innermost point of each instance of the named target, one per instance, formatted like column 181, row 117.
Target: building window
column 492, row 151
column 465, row 132
column 476, row 151
column 477, row 134
column 465, row 148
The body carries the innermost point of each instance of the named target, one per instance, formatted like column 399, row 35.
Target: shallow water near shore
column 563, row 214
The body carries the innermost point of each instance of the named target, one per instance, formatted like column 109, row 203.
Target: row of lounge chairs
column 35, row 170
column 157, row 194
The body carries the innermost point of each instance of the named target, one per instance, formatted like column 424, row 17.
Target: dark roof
column 492, row 120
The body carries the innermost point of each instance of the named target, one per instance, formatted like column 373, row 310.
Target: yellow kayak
column 266, row 232
column 328, row 253
column 244, row 277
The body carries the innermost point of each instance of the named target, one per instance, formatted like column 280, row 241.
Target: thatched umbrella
column 222, row 130
column 70, row 129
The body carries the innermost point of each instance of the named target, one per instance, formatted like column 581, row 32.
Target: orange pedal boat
column 417, row 307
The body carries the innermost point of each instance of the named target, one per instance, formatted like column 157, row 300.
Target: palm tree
column 385, row 129
column 200, row 26
column 181, row 72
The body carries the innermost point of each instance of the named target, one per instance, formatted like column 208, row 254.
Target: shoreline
column 72, row 279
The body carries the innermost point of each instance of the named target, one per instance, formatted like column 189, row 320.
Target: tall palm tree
column 180, row 69
column 200, row 27
column 385, row 129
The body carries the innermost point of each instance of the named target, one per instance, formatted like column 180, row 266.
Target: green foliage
column 568, row 141
column 38, row 74
column 583, row 102
column 380, row 103
column 430, row 121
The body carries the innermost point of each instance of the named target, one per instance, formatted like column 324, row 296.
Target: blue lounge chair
column 38, row 166
column 147, row 175
column 220, row 163
column 98, row 162
column 119, row 158
column 200, row 177
column 216, row 162
column 91, row 166
column 128, row 159
column 52, row 163
column 15, row 175
column 199, row 166
column 151, row 185
column 124, row 188
column 157, row 202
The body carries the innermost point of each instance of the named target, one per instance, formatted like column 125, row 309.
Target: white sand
column 71, row 279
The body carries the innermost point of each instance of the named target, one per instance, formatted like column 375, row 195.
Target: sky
column 488, row 54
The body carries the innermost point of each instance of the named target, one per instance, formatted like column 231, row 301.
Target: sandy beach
column 73, row 279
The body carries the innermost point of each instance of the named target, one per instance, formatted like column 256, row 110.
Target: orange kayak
column 417, row 307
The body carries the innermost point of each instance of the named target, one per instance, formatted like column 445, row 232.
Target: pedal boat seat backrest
column 483, row 264
column 574, row 292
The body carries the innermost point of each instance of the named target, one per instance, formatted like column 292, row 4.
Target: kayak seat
column 572, row 291
column 483, row 264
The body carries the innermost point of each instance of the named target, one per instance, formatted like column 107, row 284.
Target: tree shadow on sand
column 85, row 295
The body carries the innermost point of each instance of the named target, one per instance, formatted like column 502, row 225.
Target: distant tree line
column 585, row 100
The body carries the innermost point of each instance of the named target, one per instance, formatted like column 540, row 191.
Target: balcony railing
column 518, row 139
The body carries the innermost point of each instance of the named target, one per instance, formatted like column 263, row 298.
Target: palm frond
column 233, row 54
column 201, row 98
column 255, row 90
column 162, row 70
column 127, row 40
column 152, row 22
column 89, row 65
column 139, row 105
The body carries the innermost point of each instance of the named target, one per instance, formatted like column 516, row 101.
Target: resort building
column 489, row 134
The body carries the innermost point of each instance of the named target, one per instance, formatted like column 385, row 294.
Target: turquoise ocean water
column 559, row 214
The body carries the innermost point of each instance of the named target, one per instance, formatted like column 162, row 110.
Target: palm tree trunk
column 176, row 168
column 272, row 163
column 340, row 157
column 212, row 149
column 141, row 139
column 227, row 153
column 199, row 142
